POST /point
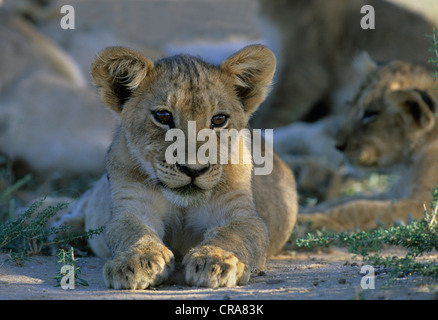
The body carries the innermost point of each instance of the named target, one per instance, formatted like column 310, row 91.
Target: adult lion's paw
column 139, row 269
column 211, row 266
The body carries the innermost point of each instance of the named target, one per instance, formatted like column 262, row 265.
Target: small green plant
column 28, row 228
column 28, row 233
column 418, row 237
column 67, row 258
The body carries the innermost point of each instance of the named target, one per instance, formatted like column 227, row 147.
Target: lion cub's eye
column 218, row 121
column 164, row 117
column 369, row 115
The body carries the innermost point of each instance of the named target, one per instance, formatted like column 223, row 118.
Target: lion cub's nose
column 193, row 170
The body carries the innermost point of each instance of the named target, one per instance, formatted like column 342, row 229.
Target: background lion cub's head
column 392, row 116
column 151, row 98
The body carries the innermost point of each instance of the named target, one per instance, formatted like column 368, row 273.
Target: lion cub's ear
column 252, row 69
column 417, row 107
column 118, row 72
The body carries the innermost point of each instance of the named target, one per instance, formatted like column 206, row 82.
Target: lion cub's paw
column 211, row 266
column 139, row 269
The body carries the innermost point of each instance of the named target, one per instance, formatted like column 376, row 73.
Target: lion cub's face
column 181, row 92
column 389, row 116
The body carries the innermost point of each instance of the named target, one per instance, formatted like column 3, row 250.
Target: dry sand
column 333, row 275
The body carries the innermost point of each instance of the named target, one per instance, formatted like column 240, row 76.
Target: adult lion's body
column 391, row 125
column 221, row 219
column 322, row 80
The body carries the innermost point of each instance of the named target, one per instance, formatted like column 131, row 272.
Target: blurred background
column 53, row 126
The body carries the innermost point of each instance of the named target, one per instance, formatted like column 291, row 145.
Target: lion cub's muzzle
column 188, row 178
column 193, row 171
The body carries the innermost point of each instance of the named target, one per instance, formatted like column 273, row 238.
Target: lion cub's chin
column 186, row 196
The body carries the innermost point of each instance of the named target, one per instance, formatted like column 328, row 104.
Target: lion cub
column 222, row 220
column 391, row 125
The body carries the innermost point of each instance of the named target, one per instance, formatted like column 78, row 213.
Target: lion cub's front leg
column 211, row 266
column 228, row 254
column 140, row 260
column 141, row 267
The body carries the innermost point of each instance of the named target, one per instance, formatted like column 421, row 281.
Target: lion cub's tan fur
column 227, row 224
column 391, row 123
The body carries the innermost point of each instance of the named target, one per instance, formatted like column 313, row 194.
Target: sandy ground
column 332, row 275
